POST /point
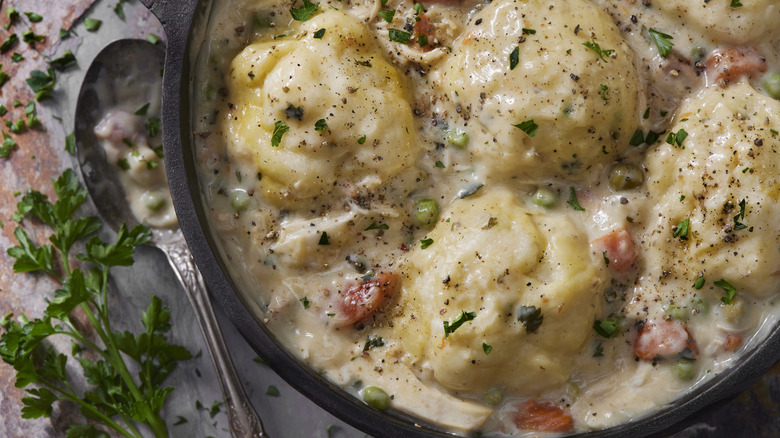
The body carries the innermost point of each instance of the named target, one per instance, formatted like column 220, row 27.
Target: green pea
column 771, row 84
column 427, row 212
column 545, row 197
column 684, row 369
column 153, row 201
column 625, row 177
column 239, row 200
column 376, row 397
column 494, row 397
column 458, row 137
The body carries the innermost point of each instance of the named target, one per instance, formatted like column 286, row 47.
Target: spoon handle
column 244, row 421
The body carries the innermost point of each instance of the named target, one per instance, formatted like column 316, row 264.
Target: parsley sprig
column 117, row 399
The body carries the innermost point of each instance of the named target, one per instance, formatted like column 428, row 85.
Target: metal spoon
column 119, row 66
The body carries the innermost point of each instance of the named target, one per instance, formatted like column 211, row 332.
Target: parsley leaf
column 42, row 83
column 425, row 243
column 273, row 391
column 305, row 302
column 528, row 31
column 304, row 12
column 736, row 4
column 8, row 146
column 92, row 25
column 33, row 17
column 699, row 283
column 573, row 201
column 375, row 226
column 457, row 322
column 662, row 42
column 320, row 125
column 682, row 229
column 319, row 33
column 486, row 348
column 373, row 342
column 606, row 328
column 399, row 36
column 731, row 291
column 531, row 316
column 677, row 138
column 66, row 60
column 528, row 126
column 324, row 239
column 738, row 225
column 514, row 58
column 387, row 15
column 603, row 53
column 9, row 42
column 280, row 128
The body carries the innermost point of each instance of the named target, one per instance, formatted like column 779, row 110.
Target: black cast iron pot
column 184, row 22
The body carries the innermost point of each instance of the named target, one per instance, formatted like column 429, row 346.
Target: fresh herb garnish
column 531, row 317
column 677, row 138
column 142, row 111
column 280, row 128
column 273, row 391
column 738, row 225
column 439, row 164
column 387, row 15
column 35, row 18
column 373, row 342
column 573, row 201
column 486, row 348
column 8, row 146
column 9, row 42
column 425, row 243
column 662, row 42
column 528, row 31
column 603, row 53
column 457, row 322
column 606, row 259
column 117, row 399
column 637, row 139
column 41, row 83
column 92, row 24
column 66, row 60
column 362, row 140
column 17, row 57
column 153, row 126
column 528, row 126
column 699, row 283
column 305, row 302
column 324, row 239
column 319, row 33
column 731, row 291
column 422, row 40
column 399, row 36
column 514, row 58
column 152, row 38
column 682, row 229
column 376, row 226
column 31, row 37
column 605, row 328
column 736, row 4
column 320, row 125
column 603, row 93
column 304, row 12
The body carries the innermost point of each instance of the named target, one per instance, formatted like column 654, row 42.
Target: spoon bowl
column 127, row 74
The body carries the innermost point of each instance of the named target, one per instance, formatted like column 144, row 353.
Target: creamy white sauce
column 309, row 215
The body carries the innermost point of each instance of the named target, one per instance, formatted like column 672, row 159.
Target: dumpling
column 750, row 21
column 492, row 256
column 314, row 112
column 723, row 178
column 547, row 88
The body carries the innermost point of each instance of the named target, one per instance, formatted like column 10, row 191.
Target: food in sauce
column 511, row 217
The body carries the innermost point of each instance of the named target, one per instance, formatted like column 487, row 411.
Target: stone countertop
column 41, row 156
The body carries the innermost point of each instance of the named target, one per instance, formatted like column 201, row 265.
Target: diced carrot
column 662, row 338
column 363, row 300
column 543, row 417
column 620, row 250
column 727, row 65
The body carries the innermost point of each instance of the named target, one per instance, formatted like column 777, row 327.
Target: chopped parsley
column 606, row 259
column 142, row 111
column 662, row 42
column 7, row 146
column 153, row 126
column 457, row 322
column 304, row 12
column 514, row 58
column 731, row 291
column 305, row 301
column 399, row 36
column 637, row 139
column 603, row 93
column 324, row 239
column 677, row 138
column 738, row 225
column 181, row 420
column 528, row 31
column 92, row 24
column 528, row 126
column 422, row 40
column 30, row 37
column 682, row 229
column 419, row 8
column 17, row 57
column 280, row 128
column 425, row 243
column 603, row 53
column 486, row 348
column 319, row 33
column 35, row 18
column 736, row 4
column 41, row 83
column 531, row 317
column 646, row 115
column 273, row 391
column 699, row 283
column 573, row 201
column 362, row 140
column 376, row 226
column 439, row 164
column 9, row 42
column 152, row 38
column 373, row 342
column 294, row 112
column 387, row 15
column 605, row 328
column 320, row 125
column 66, row 60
